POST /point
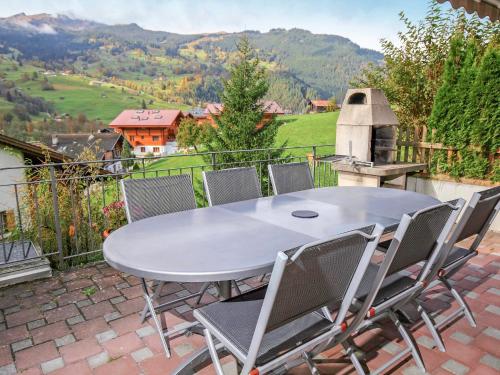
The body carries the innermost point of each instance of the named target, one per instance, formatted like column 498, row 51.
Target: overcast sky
column 362, row 21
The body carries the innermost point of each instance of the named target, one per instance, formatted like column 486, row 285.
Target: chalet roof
column 31, row 151
column 74, row 144
column 483, row 8
column 146, row 117
column 269, row 106
column 320, row 102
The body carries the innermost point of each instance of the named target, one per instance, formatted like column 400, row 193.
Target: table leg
column 225, row 289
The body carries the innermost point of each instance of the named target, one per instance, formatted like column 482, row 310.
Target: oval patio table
column 242, row 239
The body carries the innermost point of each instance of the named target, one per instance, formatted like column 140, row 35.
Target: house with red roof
column 149, row 131
column 270, row 107
column 321, row 105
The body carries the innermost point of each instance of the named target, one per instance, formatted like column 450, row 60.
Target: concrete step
column 28, row 270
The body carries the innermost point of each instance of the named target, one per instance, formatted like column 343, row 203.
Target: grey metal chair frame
column 184, row 185
column 281, row 186
column 269, row 319
column 210, row 184
column 444, row 269
column 385, row 278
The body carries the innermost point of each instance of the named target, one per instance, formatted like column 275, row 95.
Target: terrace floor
column 85, row 321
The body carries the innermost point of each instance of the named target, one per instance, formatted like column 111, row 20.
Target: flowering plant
column 115, row 216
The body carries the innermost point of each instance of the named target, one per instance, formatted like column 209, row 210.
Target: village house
column 106, row 144
column 149, row 131
column 320, row 105
column 271, row 109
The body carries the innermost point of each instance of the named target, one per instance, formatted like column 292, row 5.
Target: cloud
column 40, row 29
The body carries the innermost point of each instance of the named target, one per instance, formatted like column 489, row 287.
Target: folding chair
column 228, row 186
column 290, row 177
column 151, row 197
column 475, row 221
column 418, row 238
column 288, row 322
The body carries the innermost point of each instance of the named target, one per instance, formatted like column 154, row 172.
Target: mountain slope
column 185, row 68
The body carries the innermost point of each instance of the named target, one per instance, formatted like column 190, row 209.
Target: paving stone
column 391, row 348
column 65, row 340
column 183, row 293
column 455, row 367
column 461, row 337
column 244, row 287
column 26, row 294
column 116, row 300
column 80, row 350
column 20, row 345
column 142, row 354
column 9, row 369
column 183, row 349
column 62, row 313
column 97, row 310
column 491, row 361
column 58, row 292
column 3, row 327
column 98, row 359
column 36, row 324
column 52, row 365
column 112, row 316
column 12, row 310
column 412, row 370
column 493, row 309
column 75, row 320
column 492, row 332
column 470, row 294
column 495, row 276
column 105, row 336
column 35, row 355
column 122, row 285
column 49, row 306
column 183, row 308
column 50, row 332
column 83, row 303
column 494, row 291
column 473, row 279
column 123, row 345
column 145, row 331
column 426, row 341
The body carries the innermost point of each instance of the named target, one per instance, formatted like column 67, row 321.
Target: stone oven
column 366, row 127
column 367, row 137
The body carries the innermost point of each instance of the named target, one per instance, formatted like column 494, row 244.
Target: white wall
column 167, row 149
column 447, row 190
column 10, row 158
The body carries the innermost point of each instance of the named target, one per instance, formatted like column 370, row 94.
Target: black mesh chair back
column 290, row 177
column 231, row 185
column 421, row 237
column 317, row 276
column 157, row 196
column 487, row 202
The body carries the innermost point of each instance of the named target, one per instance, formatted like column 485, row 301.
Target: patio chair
column 290, row 177
column 283, row 324
column 228, row 186
column 475, row 221
column 152, row 197
column 418, row 238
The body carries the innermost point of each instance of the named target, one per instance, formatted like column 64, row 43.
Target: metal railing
column 63, row 211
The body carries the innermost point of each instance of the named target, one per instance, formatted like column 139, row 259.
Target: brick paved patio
column 85, row 321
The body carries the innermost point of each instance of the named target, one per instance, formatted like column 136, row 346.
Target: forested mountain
column 184, row 68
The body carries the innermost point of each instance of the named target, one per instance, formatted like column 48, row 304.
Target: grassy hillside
column 296, row 130
column 74, row 94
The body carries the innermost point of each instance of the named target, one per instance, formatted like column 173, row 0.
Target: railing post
column 314, row 163
column 57, row 222
column 213, row 160
column 143, row 168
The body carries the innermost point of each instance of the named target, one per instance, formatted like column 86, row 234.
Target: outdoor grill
column 367, row 131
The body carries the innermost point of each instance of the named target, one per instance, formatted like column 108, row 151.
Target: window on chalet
column 132, row 138
column 143, row 149
column 156, row 149
column 156, row 138
column 142, row 137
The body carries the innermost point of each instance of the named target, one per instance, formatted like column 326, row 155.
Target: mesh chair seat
column 391, row 286
column 236, row 319
column 458, row 253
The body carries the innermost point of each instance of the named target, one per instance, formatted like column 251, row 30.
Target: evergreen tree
column 484, row 103
column 126, row 154
column 239, row 126
column 143, row 104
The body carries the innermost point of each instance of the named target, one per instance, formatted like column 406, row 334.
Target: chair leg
column 203, row 290
column 360, row 368
column 156, row 294
column 431, row 326
column 309, row 362
column 159, row 326
column 213, row 352
column 408, row 338
column 465, row 307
